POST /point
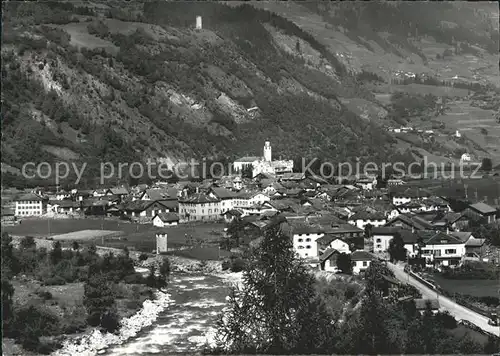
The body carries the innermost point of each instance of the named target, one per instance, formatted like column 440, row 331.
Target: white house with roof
column 364, row 218
column 443, row 249
column 165, row 219
column 304, row 239
column 31, row 204
column 199, row 207
column 361, row 260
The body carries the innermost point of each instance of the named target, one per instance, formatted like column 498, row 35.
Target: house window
column 308, row 246
column 300, row 240
column 450, row 251
column 379, row 246
column 308, row 240
column 300, row 247
column 379, row 240
column 365, row 263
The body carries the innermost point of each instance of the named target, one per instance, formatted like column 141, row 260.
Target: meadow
column 477, row 288
column 117, row 234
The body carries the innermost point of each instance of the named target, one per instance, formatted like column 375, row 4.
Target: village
column 335, row 228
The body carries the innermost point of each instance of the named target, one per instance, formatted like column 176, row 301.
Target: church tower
column 267, row 152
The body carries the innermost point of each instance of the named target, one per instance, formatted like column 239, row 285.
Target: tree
column 276, row 310
column 397, row 250
column 486, row 164
column 7, row 304
column 164, row 274
column 9, row 262
column 75, row 246
column 344, row 263
column 56, row 253
column 99, row 301
column 28, row 242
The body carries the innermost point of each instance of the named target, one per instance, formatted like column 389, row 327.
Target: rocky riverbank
column 95, row 342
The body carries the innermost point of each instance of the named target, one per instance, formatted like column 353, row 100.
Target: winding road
column 458, row 311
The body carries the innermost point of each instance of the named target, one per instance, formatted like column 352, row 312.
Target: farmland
column 46, row 227
column 477, row 288
column 116, row 233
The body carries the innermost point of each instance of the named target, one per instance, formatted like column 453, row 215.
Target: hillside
column 121, row 82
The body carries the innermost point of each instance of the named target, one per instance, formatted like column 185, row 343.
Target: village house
column 97, row 193
column 226, row 198
column 328, row 260
column 443, row 249
column 423, row 304
column 165, row 219
column 64, row 206
column 395, row 182
column 120, row 192
column 232, row 214
column 304, row 238
column 361, row 260
column 451, row 221
column 293, row 177
column 159, row 194
column 400, row 197
column 81, row 195
column 364, row 218
column 411, row 222
column 8, row 217
column 326, row 242
column 94, row 206
column 474, row 248
column 382, row 237
column 199, row 207
column 481, row 211
column 144, row 209
column 366, row 182
column 31, row 204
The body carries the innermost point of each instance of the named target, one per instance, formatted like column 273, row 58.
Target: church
column 264, row 164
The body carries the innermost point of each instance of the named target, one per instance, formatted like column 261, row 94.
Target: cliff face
column 122, row 82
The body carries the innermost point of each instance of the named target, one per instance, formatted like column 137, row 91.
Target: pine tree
column 276, row 310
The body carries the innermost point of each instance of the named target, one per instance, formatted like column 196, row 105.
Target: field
column 177, row 236
column 84, row 235
column 477, row 288
column 81, row 38
column 422, row 90
column 139, row 236
column 45, row 227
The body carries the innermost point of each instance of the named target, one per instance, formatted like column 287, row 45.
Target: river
column 183, row 326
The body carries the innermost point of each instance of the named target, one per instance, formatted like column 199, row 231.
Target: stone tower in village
column 267, row 152
column 198, row 23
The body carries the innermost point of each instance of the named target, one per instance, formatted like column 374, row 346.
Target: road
column 458, row 311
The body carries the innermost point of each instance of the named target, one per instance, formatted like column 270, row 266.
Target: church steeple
column 267, row 152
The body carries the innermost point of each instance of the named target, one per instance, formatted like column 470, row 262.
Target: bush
column 226, row 265
column 46, row 295
column 135, row 278
column 143, row 257
column 238, row 265
column 110, row 321
column 446, row 320
column 54, row 281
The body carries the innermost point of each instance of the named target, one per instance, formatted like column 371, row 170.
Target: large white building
column 31, row 204
column 264, row 164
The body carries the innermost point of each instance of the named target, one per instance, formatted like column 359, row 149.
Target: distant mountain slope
column 125, row 81
column 166, row 91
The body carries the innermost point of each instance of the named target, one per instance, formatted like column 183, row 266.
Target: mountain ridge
column 137, row 81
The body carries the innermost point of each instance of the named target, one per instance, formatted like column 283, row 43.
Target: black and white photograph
column 250, row 178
